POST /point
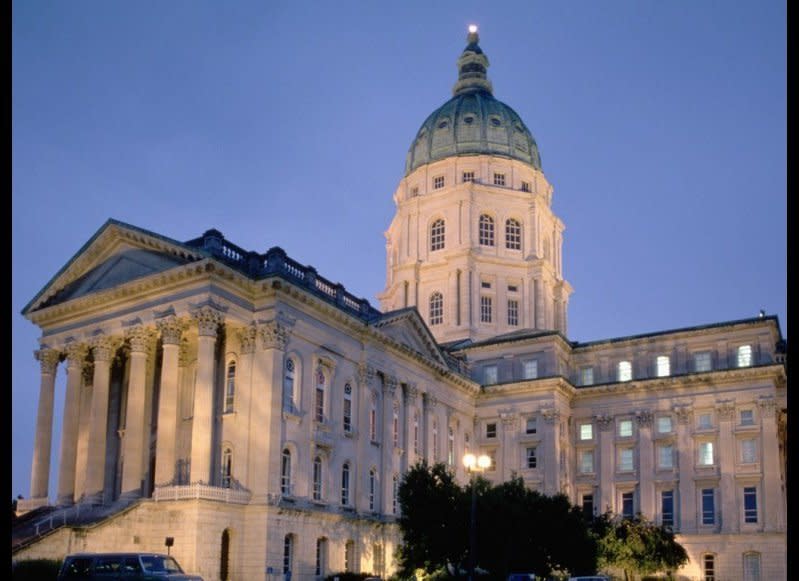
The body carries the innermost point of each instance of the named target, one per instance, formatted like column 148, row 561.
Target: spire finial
column 472, row 66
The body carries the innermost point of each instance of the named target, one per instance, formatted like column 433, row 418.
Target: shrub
column 35, row 570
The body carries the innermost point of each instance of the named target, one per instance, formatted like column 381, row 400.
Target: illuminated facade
column 263, row 417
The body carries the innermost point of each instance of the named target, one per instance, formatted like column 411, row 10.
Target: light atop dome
column 472, row 28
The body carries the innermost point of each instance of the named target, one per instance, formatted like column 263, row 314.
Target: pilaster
column 725, row 410
column 646, row 466
column 771, row 492
column 605, row 425
column 688, row 515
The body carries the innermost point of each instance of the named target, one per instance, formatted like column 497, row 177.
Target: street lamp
column 474, row 464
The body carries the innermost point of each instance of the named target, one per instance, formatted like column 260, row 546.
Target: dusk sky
column 661, row 126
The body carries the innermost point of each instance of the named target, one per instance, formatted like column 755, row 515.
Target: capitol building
column 261, row 417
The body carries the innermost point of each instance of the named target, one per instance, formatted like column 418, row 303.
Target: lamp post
column 473, row 465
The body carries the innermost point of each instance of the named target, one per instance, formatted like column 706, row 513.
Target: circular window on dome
column 443, row 124
column 495, row 122
column 468, row 120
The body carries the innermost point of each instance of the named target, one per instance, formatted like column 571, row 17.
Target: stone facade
column 262, row 416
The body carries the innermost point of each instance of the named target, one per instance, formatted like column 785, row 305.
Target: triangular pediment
column 116, row 255
column 407, row 328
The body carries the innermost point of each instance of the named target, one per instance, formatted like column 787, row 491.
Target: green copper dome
column 473, row 122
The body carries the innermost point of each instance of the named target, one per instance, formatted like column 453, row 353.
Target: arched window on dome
column 486, row 230
column 513, row 234
column 436, row 308
column 437, row 235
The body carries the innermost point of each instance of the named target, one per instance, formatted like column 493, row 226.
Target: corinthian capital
column 551, row 415
column 683, row 413
column 644, row 418
column 247, row 337
column 274, row 335
column 171, row 329
column 208, row 320
column 604, row 421
column 725, row 409
column 411, row 392
column 390, row 385
column 76, row 353
column 768, row 405
column 103, row 348
column 366, row 374
column 48, row 359
column 139, row 337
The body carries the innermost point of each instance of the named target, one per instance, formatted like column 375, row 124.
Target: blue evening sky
column 661, row 125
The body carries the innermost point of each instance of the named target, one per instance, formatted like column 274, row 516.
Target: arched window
column 415, row 432
column 451, row 447
column 317, row 478
column 319, row 399
column 230, row 387
column 349, row 556
column 373, row 419
column 372, row 489
column 435, row 440
column 321, row 557
column 288, row 554
column 436, row 308
column 752, row 566
column 227, row 466
column 709, row 567
column 345, row 484
column 437, row 235
column 224, row 557
column 347, row 419
column 290, row 384
column 285, row 472
column 513, row 234
column 394, row 494
column 486, row 230
column 395, row 425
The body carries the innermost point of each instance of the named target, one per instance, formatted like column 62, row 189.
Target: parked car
column 128, row 566
column 521, row 577
column 590, row 578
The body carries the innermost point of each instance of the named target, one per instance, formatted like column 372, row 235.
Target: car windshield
column 158, row 564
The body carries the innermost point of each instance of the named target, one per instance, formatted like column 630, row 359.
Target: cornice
column 557, row 384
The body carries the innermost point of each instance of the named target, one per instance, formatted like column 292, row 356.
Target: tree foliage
column 519, row 530
column 636, row 545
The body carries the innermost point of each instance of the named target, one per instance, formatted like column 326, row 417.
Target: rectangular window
column 526, row 186
column 499, row 179
column 664, row 425
column 587, row 376
column 492, row 465
column 708, row 506
column 751, row 566
column 530, row 369
column 625, row 428
column 320, row 404
column 627, row 505
column 705, row 421
column 706, row 454
column 490, row 372
column 485, row 284
column 702, row 361
column 747, row 417
column 624, row 371
column 750, row 504
column 414, row 191
column 513, row 313
column 625, row 459
column 586, row 431
column 438, row 182
column 468, row 176
column 512, row 288
column 347, row 419
column 491, row 430
column 588, row 505
column 666, row 456
column 748, row 451
column 667, row 507
column 663, row 366
column 587, row 461
column 531, row 427
column 744, row 356
column 486, row 307
column 532, row 461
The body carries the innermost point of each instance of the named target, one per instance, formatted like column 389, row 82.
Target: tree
column 519, row 530
column 636, row 545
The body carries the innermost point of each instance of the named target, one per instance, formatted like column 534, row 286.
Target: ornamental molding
column 140, row 338
column 75, row 353
column 274, row 334
column 550, row 414
column 171, row 329
column 411, row 393
column 48, row 360
column 725, row 409
column 684, row 412
column 389, row 384
column 366, row 374
column 104, row 347
column 509, row 420
column 644, row 418
column 208, row 319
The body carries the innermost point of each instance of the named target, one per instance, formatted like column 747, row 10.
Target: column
column 685, row 455
column 171, row 329
column 646, row 467
column 408, row 413
column 267, row 406
column 550, row 462
column 103, row 350
column 42, row 443
column 208, row 320
column 771, row 494
column 387, row 442
column 84, row 421
column 133, row 441
column 606, row 488
column 428, row 408
column 726, row 460
column 538, row 297
column 245, row 392
column 76, row 354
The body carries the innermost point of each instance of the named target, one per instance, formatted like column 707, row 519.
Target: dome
column 473, row 122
